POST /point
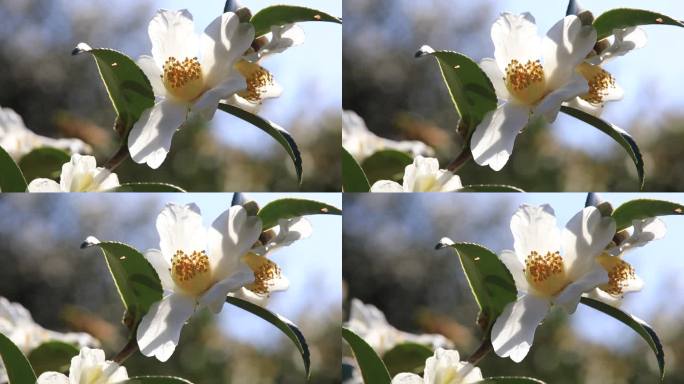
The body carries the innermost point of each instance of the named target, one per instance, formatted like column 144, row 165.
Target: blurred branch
column 129, row 349
column 461, row 160
column 481, row 351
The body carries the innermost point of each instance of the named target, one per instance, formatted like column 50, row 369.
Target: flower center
column 265, row 272
column 546, row 273
column 620, row 273
column 600, row 82
column 258, row 81
column 183, row 79
column 191, row 272
column 526, row 82
column 448, row 375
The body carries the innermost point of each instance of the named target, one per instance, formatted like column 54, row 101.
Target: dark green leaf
column 471, row 90
column 643, row 209
column 510, row 380
column 286, row 326
column 620, row 18
column 146, row 187
column 277, row 15
column 623, row 138
column 275, row 131
column 43, row 162
column 137, row 282
column 406, row 357
column 386, row 165
column 156, row 380
column 52, row 356
column 638, row 325
column 129, row 89
column 490, row 188
column 289, row 208
column 373, row 369
column 489, row 279
column 11, row 178
column 353, row 178
column 18, row 369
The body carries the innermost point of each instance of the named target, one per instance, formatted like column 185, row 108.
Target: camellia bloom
column 544, row 276
column 532, row 77
column 185, row 84
column 81, row 174
column 89, row 367
column 17, row 140
column 362, row 143
column 370, row 324
column 197, row 268
column 423, row 175
column 445, row 367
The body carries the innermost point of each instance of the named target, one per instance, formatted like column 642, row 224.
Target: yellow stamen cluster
column 263, row 275
column 619, row 276
column 526, row 82
column 546, row 273
column 599, row 86
column 191, row 272
column 256, row 84
column 183, row 79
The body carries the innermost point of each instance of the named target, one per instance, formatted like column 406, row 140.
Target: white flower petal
column 549, row 106
column 569, row 297
column 180, row 229
column 386, row 186
column 281, row 38
column 493, row 140
column 160, row 328
column 515, row 38
column 154, row 74
column 517, row 270
column 231, row 235
column 161, row 265
column 216, row 295
column 624, row 41
column 286, row 232
column 172, row 35
column 448, row 181
column 566, row 45
column 534, row 230
column 513, row 331
column 583, row 105
column 497, row 77
column 150, row 137
column 205, row 106
column 407, row 378
column 52, row 378
column 44, row 185
column 223, row 42
column 645, row 231
column 584, row 237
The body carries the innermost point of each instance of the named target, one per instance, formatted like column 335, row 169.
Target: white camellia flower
column 81, row 174
column 89, row 367
column 17, row 324
column 423, row 175
column 544, row 276
column 622, row 275
column 532, row 77
column 361, row 143
column 370, row 324
column 185, row 84
column 17, row 140
column 444, row 367
column 197, row 267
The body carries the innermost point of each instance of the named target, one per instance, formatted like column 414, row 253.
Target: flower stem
column 129, row 349
column 119, row 157
column 481, row 351
column 461, row 160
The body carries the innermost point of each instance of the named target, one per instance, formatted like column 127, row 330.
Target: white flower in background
column 81, row 174
column 370, row 324
column 189, row 74
column 444, row 367
column 197, row 267
column 89, row 367
column 423, row 175
column 17, row 140
column 17, row 324
column 268, row 276
column 362, row 143
column 602, row 85
column 544, row 276
column 532, row 77
column 622, row 275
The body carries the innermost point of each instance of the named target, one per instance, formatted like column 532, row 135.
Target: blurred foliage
column 401, row 97
column 66, row 288
column 62, row 96
column 389, row 261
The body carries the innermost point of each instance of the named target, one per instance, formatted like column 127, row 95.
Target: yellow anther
column 257, row 79
column 526, row 82
column 183, row 79
column 191, row 272
column 545, row 273
column 265, row 273
column 620, row 273
column 600, row 82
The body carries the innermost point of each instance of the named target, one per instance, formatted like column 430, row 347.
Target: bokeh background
column 389, row 260
column 60, row 95
column 66, row 288
column 404, row 98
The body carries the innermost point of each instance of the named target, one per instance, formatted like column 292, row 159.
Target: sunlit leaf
column 406, row 357
column 620, row 18
column 43, row 162
column 52, row 356
column 277, row 15
column 11, row 178
column 353, row 177
column 147, row 187
column 156, row 380
column 289, row 208
column 373, row 369
column 490, row 188
column 387, row 164
column 643, row 209
column 18, row 368
column 510, row 380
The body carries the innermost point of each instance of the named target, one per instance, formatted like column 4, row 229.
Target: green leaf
column 353, row 178
column 510, row 380
column 373, row 369
column 286, row 326
column 11, row 178
column 406, row 357
column 620, row 18
column 18, row 369
column 43, row 162
column 275, row 131
column 643, row 209
column 620, row 136
column 156, row 380
column 289, row 208
column 129, row 89
column 490, row 188
column 471, row 90
column 386, row 165
column 146, row 187
column 277, row 15
column 52, row 356
column 638, row 325
column 137, row 282
column 489, row 279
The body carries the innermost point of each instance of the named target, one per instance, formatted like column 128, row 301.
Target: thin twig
column 128, row 350
column 481, row 351
column 461, row 160
column 119, row 157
